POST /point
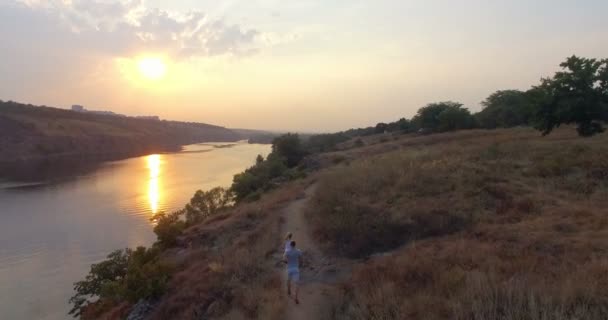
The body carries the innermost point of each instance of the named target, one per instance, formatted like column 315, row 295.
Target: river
column 51, row 231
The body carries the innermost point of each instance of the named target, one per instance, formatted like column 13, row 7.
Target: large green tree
column 206, row 203
column 443, row 116
column 578, row 94
column 289, row 147
column 505, row 109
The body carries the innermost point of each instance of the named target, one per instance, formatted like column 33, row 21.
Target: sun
column 152, row 68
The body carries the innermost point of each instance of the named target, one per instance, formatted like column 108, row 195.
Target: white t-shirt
column 287, row 245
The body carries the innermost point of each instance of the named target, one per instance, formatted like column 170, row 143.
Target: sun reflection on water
column 153, row 181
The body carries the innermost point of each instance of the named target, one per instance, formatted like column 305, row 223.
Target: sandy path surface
column 319, row 273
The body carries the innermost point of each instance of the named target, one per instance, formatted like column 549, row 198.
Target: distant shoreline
column 47, row 139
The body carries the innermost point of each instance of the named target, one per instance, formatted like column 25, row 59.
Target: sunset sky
column 307, row 65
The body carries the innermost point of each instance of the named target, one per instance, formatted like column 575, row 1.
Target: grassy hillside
column 30, row 132
column 474, row 225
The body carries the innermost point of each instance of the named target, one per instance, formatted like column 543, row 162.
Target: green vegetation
column 206, row 203
column 577, row 94
column 109, row 281
column 506, row 109
column 289, row 149
column 168, row 228
column 280, row 165
column 444, row 116
column 203, row 205
column 126, row 275
column 131, row 275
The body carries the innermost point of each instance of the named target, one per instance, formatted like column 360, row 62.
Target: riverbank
column 428, row 226
column 38, row 133
column 66, row 219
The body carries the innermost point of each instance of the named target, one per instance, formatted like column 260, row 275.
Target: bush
column 168, row 227
column 206, row 203
column 290, row 148
column 126, row 275
column 505, row 109
column 257, row 178
column 325, row 142
column 280, row 165
column 444, row 116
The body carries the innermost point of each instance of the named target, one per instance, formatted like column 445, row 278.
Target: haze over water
column 52, row 232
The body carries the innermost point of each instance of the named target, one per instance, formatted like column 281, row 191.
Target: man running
column 293, row 258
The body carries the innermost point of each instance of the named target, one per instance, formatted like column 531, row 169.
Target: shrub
column 126, row 275
column 280, row 165
column 168, row 227
column 443, row 116
column 257, row 178
column 325, row 142
column 288, row 147
column 206, row 203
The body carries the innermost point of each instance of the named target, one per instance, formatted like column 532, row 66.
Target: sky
column 298, row 65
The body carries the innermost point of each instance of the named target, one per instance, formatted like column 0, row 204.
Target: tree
column 289, row 147
column 381, row 127
column 102, row 275
column 206, row 203
column 443, row 116
column 505, row 109
column 259, row 159
column 578, row 94
column 257, row 178
column 428, row 116
column 404, row 125
column 454, row 118
column 126, row 275
column 168, row 227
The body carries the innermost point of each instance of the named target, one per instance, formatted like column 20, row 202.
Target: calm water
column 50, row 233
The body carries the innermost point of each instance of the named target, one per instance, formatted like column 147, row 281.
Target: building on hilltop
column 78, row 108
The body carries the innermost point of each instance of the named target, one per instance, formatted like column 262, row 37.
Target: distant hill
column 257, row 136
column 38, row 132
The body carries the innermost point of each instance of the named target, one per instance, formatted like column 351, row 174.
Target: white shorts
column 293, row 275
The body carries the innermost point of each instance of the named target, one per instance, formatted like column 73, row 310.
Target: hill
column 473, row 224
column 29, row 133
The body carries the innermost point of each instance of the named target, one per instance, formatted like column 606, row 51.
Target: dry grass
column 469, row 279
column 494, row 225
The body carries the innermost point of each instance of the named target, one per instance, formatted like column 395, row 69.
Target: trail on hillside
column 319, row 273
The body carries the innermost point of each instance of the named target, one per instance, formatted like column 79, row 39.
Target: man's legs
column 296, row 289
column 296, row 281
column 289, row 285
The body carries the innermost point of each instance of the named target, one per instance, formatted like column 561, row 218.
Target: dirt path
column 319, row 273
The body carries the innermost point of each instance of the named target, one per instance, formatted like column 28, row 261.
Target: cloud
column 124, row 28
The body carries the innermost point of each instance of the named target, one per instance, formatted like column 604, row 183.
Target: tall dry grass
column 498, row 225
column 462, row 279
